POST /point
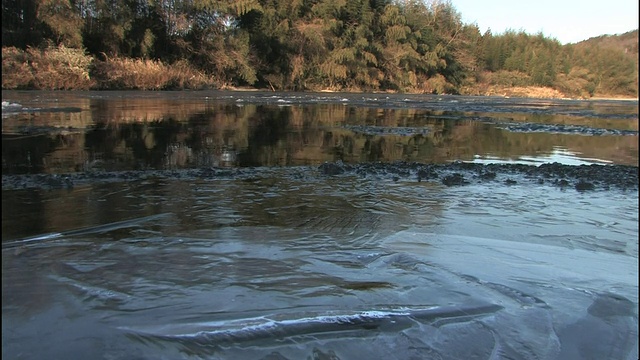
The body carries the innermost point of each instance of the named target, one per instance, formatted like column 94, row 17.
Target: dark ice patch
column 608, row 304
column 608, row 331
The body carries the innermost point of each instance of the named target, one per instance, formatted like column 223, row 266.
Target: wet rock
column 584, row 186
column 510, row 182
column 466, row 166
column 329, row 355
column 385, row 130
column 487, row 175
column 426, row 174
column 455, row 179
column 583, row 177
column 561, row 129
column 55, row 181
column 275, row 356
column 332, row 168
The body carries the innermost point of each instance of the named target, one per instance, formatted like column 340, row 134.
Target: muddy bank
column 580, row 178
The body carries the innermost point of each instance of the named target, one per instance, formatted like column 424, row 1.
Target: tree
column 20, row 26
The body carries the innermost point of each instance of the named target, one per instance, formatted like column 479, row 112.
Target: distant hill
column 628, row 42
column 611, row 62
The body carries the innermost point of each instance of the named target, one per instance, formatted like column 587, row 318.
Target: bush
column 54, row 68
column 438, row 85
column 508, row 78
column 16, row 72
column 62, row 68
column 141, row 74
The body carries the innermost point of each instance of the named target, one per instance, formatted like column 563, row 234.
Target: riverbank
column 534, row 92
column 71, row 69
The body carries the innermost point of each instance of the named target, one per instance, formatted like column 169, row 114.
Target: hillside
column 600, row 67
column 359, row 45
column 627, row 42
column 612, row 61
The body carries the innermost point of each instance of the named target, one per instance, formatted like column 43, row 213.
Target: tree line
column 365, row 45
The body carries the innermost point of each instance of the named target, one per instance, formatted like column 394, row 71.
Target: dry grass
column 62, row 68
column 54, row 68
column 141, row 74
column 16, row 72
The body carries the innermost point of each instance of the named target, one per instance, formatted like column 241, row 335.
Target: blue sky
column 569, row 21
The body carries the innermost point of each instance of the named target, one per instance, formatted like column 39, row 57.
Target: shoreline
column 578, row 177
column 613, row 99
column 328, row 91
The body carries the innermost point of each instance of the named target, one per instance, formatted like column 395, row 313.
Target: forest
column 408, row 46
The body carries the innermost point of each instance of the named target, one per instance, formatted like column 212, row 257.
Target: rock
column 454, row 179
column 332, row 168
column 584, row 186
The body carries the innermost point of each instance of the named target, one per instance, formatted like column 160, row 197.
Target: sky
column 568, row 21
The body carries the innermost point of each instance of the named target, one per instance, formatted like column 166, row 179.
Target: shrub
column 16, row 72
column 143, row 74
column 62, row 68
column 508, row 78
column 53, row 68
column 438, row 85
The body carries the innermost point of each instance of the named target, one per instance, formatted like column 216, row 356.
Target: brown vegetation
column 62, row 68
column 56, row 68
column 360, row 45
column 140, row 74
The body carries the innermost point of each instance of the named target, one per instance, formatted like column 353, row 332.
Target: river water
column 289, row 262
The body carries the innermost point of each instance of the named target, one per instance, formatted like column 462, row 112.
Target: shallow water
column 295, row 263
column 79, row 131
column 291, row 263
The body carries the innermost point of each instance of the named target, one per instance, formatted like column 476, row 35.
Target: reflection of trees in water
column 271, row 138
column 214, row 136
column 25, row 153
column 131, row 145
column 149, row 141
column 163, row 143
column 270, row 135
